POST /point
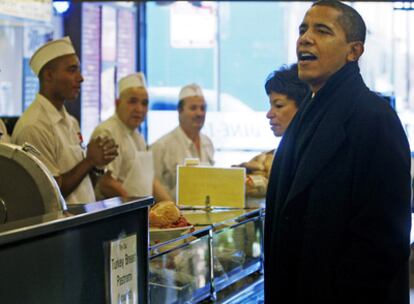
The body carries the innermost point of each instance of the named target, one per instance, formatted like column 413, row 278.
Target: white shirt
column 172, row 149
column 56, row 135
column 129, row 143
column 4, row 136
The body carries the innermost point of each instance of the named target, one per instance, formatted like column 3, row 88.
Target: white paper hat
column 49, row 51
column 136, row 80
column 190, row 90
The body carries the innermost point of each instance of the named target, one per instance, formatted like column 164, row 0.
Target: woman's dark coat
column 338, row 212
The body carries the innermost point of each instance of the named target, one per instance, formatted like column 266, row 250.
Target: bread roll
column 256, row 163
column 256, row 186
column 164, row 214
column 268, row 163
column 262, row 173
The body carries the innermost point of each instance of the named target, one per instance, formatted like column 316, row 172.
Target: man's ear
column 47, row 74
column 117, row 102
column 357, row 49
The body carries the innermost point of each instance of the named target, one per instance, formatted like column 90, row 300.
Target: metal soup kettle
column 27, row 188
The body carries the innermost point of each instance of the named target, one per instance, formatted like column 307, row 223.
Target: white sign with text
column 123, row 271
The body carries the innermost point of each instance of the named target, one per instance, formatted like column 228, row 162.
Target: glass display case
column 224, row 247
column 237, row 252
column 179, row 269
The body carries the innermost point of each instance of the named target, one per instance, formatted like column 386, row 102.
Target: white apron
column 140, row 178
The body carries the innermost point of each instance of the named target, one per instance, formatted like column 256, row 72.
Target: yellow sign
column 210, row 186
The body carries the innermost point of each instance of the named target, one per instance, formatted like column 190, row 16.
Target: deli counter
column 66, row 256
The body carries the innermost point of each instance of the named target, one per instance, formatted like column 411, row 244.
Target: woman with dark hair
column 286, row 92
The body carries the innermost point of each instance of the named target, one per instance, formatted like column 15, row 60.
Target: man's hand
column 101, row 151
column 110, row 187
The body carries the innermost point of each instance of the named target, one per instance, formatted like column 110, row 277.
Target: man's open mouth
column 306, row 56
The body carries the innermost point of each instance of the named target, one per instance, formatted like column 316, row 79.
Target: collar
column 184, row 136
column 122, row 125
column 337, row 79
column 54, row 114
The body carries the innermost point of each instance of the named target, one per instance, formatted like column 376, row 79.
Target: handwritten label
column 123, row 270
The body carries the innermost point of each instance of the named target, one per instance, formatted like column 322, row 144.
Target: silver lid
column 27, row 188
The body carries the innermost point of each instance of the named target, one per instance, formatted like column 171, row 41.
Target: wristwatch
column 98, row 171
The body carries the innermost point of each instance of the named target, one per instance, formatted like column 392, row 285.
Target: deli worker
column 132, row 171
column 186, row 140
column 48, row 127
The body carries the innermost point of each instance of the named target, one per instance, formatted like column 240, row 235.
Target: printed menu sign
column 123, row 270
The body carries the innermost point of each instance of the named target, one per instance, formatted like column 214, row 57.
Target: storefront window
column 11, row 39
column 24, row 26
column 229, row 51
column 108, row 54
column 220, row 45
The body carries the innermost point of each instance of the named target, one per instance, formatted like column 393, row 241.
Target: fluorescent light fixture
column 61, row 6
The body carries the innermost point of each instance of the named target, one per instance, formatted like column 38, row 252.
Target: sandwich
column 166, row 214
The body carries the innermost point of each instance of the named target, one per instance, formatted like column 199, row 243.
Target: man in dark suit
column 338, row 203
